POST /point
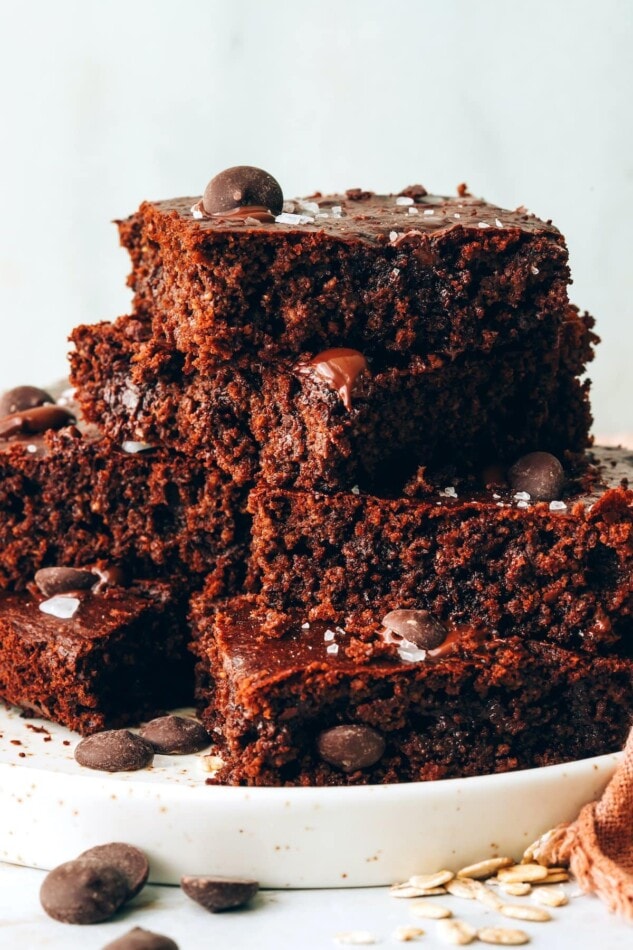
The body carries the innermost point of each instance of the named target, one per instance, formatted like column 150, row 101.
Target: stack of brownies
column 340, row 453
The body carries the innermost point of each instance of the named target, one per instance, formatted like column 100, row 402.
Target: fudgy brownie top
column 74, row 619
column 365, row 216
column 307, row 648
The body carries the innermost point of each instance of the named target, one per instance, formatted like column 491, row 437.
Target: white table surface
column 286, row 920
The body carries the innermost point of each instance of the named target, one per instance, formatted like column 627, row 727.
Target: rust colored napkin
column 598, row 846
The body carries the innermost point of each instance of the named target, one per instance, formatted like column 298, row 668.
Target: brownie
column 560, row 571
column 119, row 658
column 281, row 710
column 285, row 423
column 416, row 274
column 73, row 497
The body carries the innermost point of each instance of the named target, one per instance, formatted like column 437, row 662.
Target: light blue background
column 106, row 103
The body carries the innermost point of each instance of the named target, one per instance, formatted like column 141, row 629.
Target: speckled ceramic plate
column 51, row 810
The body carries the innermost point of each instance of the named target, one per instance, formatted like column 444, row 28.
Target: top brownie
column 385, row 274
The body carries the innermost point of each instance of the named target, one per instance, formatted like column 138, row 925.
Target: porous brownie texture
column 121, row 657
column 560, row 571
column 456, row 276
column 72, row 498
column 484, row 708
column 291, row 428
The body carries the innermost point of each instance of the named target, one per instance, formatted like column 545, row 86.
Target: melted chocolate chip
column 23, row 397
column 242, row 186
column 416, row 626
column 139, row 939
column 257, row 212
column 131, row 863
column 79, row 892
column 62, row 580
column 459, row 639
column 540, row 474
column 175, row 735
column 340, row 367
column 34, row 421
column 219, row 893
column 351, row 747
column 115, row 750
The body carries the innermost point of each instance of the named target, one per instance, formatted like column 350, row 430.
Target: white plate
column 51, row 810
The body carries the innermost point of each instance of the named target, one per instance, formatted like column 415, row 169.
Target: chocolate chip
column 416, row 626
column 340, row 368
column 23, row 397
column 241, row 186
column 175, row 735
column 139, row 939
column 79, row 892
column 351, row 747
column 131, row 863
column 219, row 893
column 540, row 474
column 115, row 750
column 34, row 421
column 62, row 580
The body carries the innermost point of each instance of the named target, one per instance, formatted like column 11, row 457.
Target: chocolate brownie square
column 94, row 660
column 308, row 709
column 558, row 570
column 293, row 425
column 409, row 274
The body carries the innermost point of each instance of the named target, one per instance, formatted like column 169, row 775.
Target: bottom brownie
column 471, row 707
column 120, row 657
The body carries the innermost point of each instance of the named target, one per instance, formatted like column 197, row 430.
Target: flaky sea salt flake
column 332, row 649
column 522, row 496
column 133, row 447
column 557, row 506
column 61, row 606
column 287, row 218
column 329, row 635
column 413, row 211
